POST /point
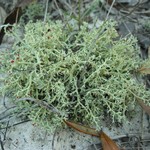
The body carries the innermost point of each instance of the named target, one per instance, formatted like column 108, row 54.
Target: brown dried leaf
column 144, row 70
column 83, row 129
column 107, row 142
column 144, row 106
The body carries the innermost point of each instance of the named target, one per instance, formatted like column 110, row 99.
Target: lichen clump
column 83, row 74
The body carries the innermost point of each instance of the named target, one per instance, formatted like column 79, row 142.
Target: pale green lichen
column 81, row 74
column 32, row 12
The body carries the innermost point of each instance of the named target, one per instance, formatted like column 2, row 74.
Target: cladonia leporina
column 78, row 73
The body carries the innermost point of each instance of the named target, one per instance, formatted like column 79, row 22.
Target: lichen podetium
column 82, row 74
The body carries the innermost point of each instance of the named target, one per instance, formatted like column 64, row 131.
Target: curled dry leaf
column 107, row 142
column 83, row 129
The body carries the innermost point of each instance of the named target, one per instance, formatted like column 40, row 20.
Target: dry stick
column 53, row 140
column 15, row 124
column 46, row 9
column 110, row 9
column 1, row 144
column 135, row 7
column 4, row 138
column 127, row 27
column 17, row 15
column 6, row 113
column 133, row 10
column 71, row 8
column 72, row 11
column 79, row 14
column 6, row 131
column 4, row 102
column 43, row 104
column 142, row 124
column 143, row 12
column 58, row 9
